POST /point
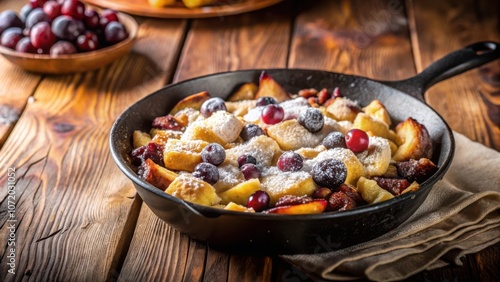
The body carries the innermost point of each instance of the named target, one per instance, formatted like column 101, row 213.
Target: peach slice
column 313, row 207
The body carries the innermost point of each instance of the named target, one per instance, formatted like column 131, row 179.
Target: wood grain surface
column 80, row 219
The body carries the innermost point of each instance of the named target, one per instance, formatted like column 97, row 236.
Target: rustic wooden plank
column 469, row 102
column 74, row 208
column 254, row 40
column 444, row 26
column 16, row 85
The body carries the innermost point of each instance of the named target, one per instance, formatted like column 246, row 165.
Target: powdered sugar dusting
column 377, row 157
column 229, row 176
column 336, row 153
column 262, row 148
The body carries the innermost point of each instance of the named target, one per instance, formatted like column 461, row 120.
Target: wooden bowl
column 79, row 62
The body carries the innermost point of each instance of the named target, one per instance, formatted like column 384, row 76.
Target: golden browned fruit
column 235, row 207
column 416, row 141
column 313, row 207
column 371, row 192
column 192, row 101
column 239, row 194
column 156, row 175
column 377, row 110
column 183, row 154
column 368, row 123
column 246, row 92
column 268, row 87
column 140, row 138
column 192, row 189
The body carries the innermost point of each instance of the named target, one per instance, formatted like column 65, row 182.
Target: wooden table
column 80, row 219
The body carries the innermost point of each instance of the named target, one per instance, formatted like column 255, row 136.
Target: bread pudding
column 268, row 151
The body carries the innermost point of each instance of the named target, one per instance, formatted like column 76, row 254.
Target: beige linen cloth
column 460, row 216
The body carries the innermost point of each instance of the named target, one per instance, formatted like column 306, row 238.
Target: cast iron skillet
column 287, row 234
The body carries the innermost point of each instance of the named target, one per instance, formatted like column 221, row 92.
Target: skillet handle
column 455, row 63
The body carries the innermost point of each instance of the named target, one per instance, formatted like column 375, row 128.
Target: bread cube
column 368, row 123
column 343, row 108
column 221, row 127
column 239, row 194
column 235, row 207
column 377, row 110
column 140, row 138
column 372, row 192
column 290, row 135
column 264, row 149
column 278, row 184
column 229, row 176
column 417, row 142
column 192, row 189
column 183, row 155
column 377, row 157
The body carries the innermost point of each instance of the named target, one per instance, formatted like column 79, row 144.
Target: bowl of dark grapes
column 64, row 36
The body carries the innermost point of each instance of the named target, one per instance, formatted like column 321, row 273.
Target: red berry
column 259, row 201
column 11, row 36
column 24, row 45
column 9, row 19
column 74, row 9
column 263, row 101
column 42, row 36
column 357, row 140
column 250, row 170
column 207, row 172
column 107, row 16
column 37, row 3
column 208, row 107
column 52, row 9
column 272, row 114
column 62, row 48
column 290, row 161
column 312, row 119
column 330, row 173
column 336, row 93
column 250, row 131
column 246, row 159
column 213, row 153
column 92, row 19
column 87, row 41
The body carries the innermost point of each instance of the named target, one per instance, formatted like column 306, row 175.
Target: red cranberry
column 11, row 36
column 42, row 36
column 263, row 101
column 36, row 16
column 208, row 107
column 207, row 172
column 250, row 171
column 52, row 9
column 258, row 201
column 272, row 114
column 24, row 45
column 74, row 9
column 87, row 42
column 290, row 161
column 213, row 153
column 151, row 151
column 62, row 48
column 357, row 140
column 37, row 3
column 106, row 17
column 246, row 159
column 330, row 173
column 91, row 19
column 312, row 119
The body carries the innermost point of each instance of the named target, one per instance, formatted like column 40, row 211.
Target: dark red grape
column 91, row 19
column 74, row 9
column 52, row 9
column 87, row 42
column 211, row 105
column 106, row 17
column 334, row 140
column 24, row 45
column 246, row 159
column 37, row 3
column 272, row 114
column 213, row 153
column 11, row 36
column 207, row 172
column 357, row 140
column 259, row 201
column 42, row 37
column 9, row 19
column 25, row 11
column 263, row 101
column 250, row 131
column 250, row 170
column 36, row 16
column 329, row 173
column 312, row 119
column 115, row 32
column 66, row 28
column 290, row 161
column 62, row 48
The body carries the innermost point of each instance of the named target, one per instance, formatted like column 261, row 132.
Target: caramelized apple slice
column 192, row 101
column 313, row 207
column 377, row 110
column 239, row 194
column 417, row 143
column 246, row 92
column 157, row 175
column 140, row 138
column 268, row 87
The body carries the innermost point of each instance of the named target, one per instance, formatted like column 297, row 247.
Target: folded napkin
column 460, row 216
